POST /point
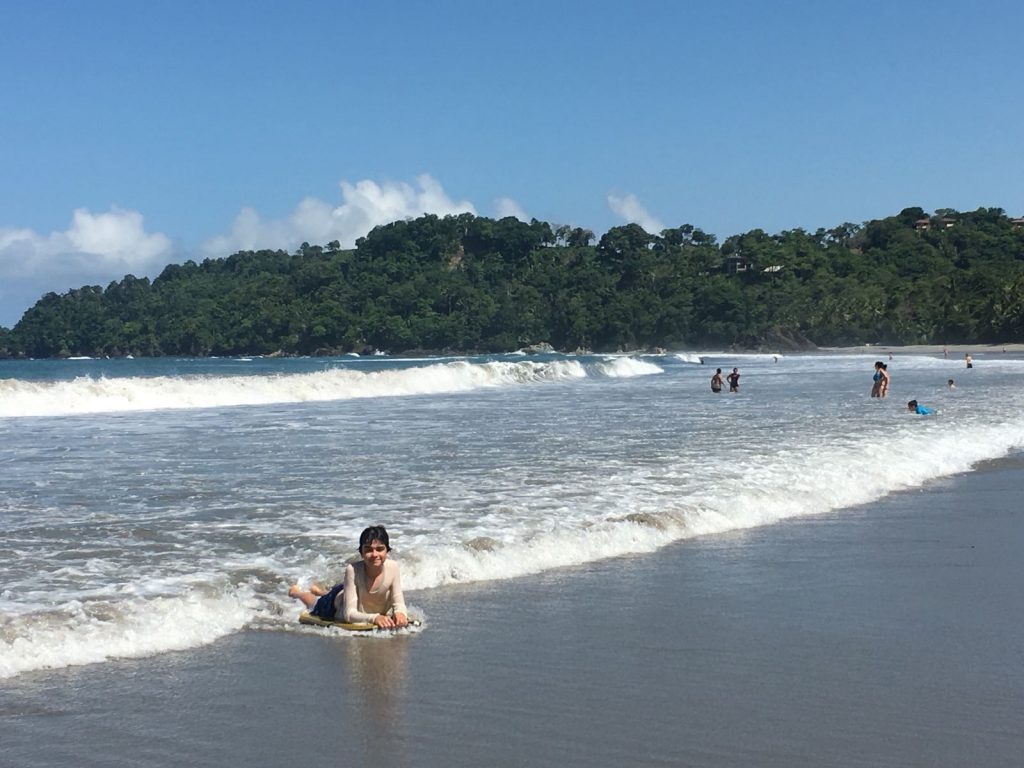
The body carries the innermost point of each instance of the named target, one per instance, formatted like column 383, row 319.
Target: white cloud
column 95, row 244
column 95, row 249
column 629, row 208
column 506, row 206
column 118, row 238
column 365, row 205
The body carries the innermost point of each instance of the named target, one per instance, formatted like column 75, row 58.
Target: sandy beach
column 881, row 635
column 951, row 350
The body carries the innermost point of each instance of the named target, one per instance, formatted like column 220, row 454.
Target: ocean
column 149, row 506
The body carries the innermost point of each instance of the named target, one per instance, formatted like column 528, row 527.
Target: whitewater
column 148, row 506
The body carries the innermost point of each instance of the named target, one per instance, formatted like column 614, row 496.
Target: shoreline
column 953, row 350
column 885, row 634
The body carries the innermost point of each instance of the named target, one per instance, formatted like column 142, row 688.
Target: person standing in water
column 371, row 592
column 717, row 381
column 880, row 387
column 734, row 380
column 968, row 360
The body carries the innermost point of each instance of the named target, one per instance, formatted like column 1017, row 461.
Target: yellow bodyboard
column 307, row 618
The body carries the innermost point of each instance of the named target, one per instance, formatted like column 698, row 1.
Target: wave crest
column 85, row 394
column 86, row 633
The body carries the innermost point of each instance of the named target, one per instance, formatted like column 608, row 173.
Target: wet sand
column 888, row 635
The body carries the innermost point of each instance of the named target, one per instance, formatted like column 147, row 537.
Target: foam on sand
column 85, row 633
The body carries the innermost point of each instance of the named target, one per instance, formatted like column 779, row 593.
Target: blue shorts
column 324, row 607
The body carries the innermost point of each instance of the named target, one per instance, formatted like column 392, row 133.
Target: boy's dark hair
column 912, row 404
column 374, row 533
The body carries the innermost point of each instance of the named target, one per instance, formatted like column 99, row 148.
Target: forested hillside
column 468, row 283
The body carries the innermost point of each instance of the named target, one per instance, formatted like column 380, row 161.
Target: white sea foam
column 86, row 633
column 493, row 489
column 642, row 511
column 627, row 367
column 83, row 395
column 813, row 481
column 689, row 357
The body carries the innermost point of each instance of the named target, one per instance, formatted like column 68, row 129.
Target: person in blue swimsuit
column 921, row 410
column 880, row 387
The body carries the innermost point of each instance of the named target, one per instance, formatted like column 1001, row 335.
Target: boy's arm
column 397, row 597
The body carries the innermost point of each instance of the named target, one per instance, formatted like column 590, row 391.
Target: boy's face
column 374, row 553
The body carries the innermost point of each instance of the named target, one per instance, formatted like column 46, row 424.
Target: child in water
column 371, row 592
column 922, row 410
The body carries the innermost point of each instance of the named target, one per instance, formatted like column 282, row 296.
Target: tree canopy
column 468, row 283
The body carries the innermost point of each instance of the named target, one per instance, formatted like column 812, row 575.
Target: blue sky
column 135, row 134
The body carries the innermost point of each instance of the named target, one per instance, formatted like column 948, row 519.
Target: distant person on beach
column 880, row 387
column 371, row 592
column 917, row 408
column 945, row 352
column 717, row 381
column 734, row 380
column 968, row 360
